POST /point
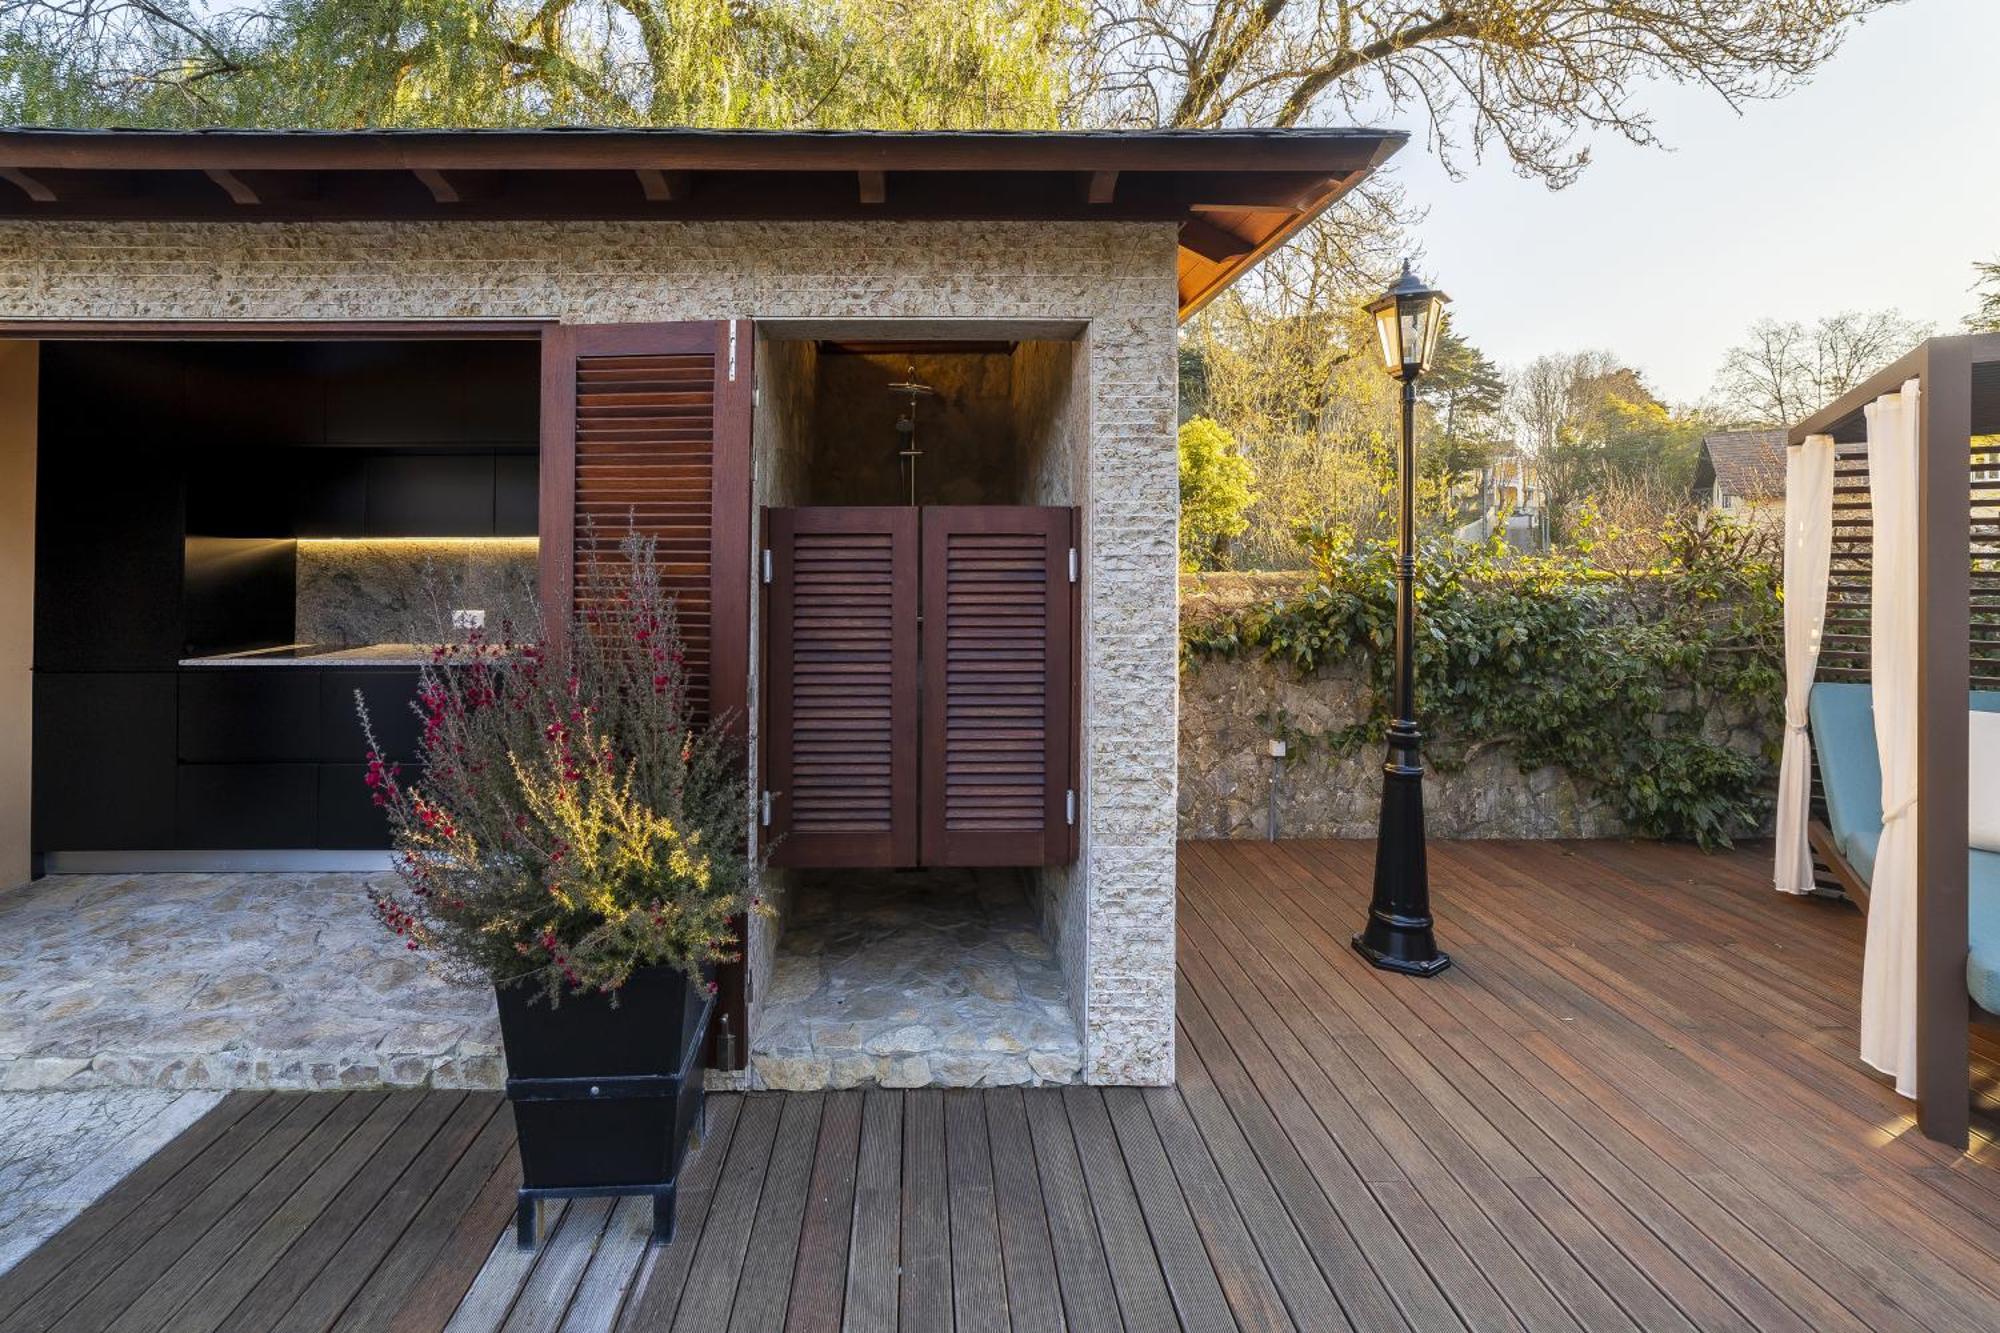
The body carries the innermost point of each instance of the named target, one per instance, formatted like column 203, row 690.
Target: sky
column 1875, row 185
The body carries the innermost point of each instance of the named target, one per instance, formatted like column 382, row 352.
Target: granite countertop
column 320, row 654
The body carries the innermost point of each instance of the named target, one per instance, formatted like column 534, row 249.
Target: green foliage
column 1987, row 318
column 342, row 64
column 1615, row 674
column 1215, row 490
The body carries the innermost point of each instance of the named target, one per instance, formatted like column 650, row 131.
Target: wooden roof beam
column 442, row 190
column 233, row 186
column 1212, row 242
column 874, row 186
column 664, row 187
column 28, row 185
column 1100, row 187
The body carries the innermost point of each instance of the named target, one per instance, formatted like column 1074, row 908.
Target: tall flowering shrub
column 569, row 820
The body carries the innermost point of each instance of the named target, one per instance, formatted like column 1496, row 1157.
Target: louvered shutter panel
column 842, row 675
column 646, row 426
column 998, row 632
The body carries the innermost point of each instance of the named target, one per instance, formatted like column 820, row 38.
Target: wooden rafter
column 1100, row 187
column 663, row 187
column 874, row 187
column 1212, row 242
column 28, row 185
column 434, row 180
column 233, row 186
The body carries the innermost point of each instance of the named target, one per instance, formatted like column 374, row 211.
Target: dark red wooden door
column 998, row 626
column 647, row 426
column 842, row 714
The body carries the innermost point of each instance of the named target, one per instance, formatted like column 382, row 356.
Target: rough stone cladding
column 1117, row 276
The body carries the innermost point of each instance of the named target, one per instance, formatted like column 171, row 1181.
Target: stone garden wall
column 1231, row 708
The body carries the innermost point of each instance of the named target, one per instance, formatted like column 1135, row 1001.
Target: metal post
column 1398, row 935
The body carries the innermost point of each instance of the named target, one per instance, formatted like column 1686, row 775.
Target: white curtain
column 1808, row 550
column 1889, row 968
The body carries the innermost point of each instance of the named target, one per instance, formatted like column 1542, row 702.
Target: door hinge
column 764, row 809
column 1074, row 565
column 767, row 564
column 756, row 398
column 1069, row 807
column 732, row 351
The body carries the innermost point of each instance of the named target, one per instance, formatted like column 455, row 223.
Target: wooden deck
column 1633, row 1104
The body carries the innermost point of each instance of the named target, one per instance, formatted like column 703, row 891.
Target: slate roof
column 1750, row 464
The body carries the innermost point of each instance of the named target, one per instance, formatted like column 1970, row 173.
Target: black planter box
column 605, row 1099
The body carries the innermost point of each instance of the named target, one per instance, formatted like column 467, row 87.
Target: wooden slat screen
column 645, row 460
column 842, row 676
column 1844, row 650
column 998, row 613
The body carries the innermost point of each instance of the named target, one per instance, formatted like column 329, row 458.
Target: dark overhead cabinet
column 430, row 495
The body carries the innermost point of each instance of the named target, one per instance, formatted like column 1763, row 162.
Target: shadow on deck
column 1633, row 1103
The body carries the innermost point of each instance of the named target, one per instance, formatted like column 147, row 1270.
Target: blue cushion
column 1982, row 959
column 1843, row 733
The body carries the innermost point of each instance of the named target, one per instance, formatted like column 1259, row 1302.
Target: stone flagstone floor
column 225, row 981
column 908, row 979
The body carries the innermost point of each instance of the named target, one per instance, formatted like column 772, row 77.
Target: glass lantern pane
column 1434, row 326
column 1413, row 335
column 1386, row 331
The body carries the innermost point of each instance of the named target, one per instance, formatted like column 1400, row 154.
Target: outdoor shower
column 906, row 424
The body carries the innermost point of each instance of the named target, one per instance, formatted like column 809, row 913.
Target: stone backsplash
column 1231, row 708
column 403, row 590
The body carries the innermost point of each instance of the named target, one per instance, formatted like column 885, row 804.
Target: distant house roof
column 1235, row 194
column 1750, row 464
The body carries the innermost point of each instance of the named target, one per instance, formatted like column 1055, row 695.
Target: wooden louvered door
column 999, row 702
column 841, row 654
column 647, row 426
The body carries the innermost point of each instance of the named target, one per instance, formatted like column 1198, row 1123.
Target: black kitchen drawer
column 103, row 761
column 262, row 714
column 389, row 691
column 430, row 495
column 246, row 805
column 349, row 819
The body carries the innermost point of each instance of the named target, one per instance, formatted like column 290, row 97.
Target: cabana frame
column 1959, row 380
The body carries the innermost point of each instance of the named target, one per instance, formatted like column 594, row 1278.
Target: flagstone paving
column 907, row 980
column 59, row 1151
column 182, row 981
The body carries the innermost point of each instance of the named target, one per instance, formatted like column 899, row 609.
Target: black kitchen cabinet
column 517, row 491
column 255, row 714
column 107, row 558
column 246, row 806
column 388, row 394
column 104, row 772
column 389, row 692
column 430, row 495
column 349, row 819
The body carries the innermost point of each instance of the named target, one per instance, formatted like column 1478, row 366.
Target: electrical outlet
column 469, row 618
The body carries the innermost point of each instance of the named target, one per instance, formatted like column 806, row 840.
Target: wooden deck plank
column 656, row 1291
column 506, row 1268
column 924, row 1291
column 875, row 1244
column 725, row 1233
column 216, row 1273
column 1026, row 1256
column 564, row 1256
column 978, row 1282
column 819, row 1282
column 427, row 1304
column 600, row 1292
column 766, row 1284
column 1136, row 1276
column 1082, row 1271
column 462, row 1195
column 263, row 1307
column 1190, row 1278
column 141, row 1256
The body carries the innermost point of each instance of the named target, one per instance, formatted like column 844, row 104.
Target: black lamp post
column 1398, row 934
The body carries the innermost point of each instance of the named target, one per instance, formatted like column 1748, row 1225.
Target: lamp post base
column 1412, row 955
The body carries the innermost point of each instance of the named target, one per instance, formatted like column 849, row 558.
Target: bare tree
column 1784, row 371
column 1528, row 77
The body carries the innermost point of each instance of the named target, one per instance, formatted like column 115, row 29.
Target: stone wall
column 1116, row 278
column 1231, row 708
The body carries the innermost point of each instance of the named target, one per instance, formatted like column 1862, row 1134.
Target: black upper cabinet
column 107, row 557
column 430, row 495
column 387, row 394
column 329, row 493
